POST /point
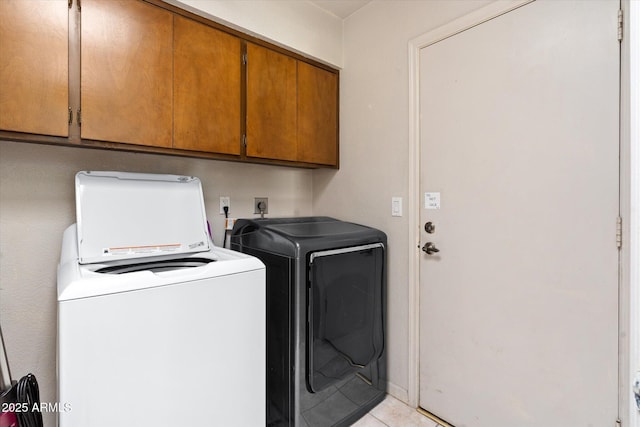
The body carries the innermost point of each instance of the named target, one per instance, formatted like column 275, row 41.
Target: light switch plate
column 396, row 206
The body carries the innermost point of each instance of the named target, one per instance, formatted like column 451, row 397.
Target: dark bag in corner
column 8, row 400
column 20, row 401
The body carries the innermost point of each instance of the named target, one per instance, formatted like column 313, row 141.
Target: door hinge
column 70, row 3
column 70, row 116
column 618, row 423
column 79, row 7
column 79, row 117
column 620, row 24
column 244, row 59
column 619, row 232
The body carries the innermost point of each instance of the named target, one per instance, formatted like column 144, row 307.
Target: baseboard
column 398, row 392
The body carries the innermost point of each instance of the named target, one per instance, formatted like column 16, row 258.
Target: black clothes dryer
column 325, row 317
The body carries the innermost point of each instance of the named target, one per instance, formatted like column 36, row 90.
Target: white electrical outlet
column 224, row 201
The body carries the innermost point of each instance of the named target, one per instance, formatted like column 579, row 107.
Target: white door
column 519, row 142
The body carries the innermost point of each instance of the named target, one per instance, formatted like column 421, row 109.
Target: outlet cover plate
column 257, row 201
column 224, row 201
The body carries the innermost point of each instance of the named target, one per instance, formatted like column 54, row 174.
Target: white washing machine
column 156, row 326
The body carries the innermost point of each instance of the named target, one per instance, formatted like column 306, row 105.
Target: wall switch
column 396, row 206
column 224, row 201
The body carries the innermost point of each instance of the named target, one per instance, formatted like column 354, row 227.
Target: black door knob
column 429, row 248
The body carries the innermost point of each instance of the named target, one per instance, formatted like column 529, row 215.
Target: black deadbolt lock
column 429, row 227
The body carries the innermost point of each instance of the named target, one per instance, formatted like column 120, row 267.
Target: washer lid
column 124, row 215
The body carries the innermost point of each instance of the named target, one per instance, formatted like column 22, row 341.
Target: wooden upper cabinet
column 207, row 97
column 271, row 104
column 127, row 72
column 317, row 115
column 34, row 73
column 153, row 77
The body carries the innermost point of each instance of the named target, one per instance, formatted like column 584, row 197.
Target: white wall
column 298, row 25
column 374, row 146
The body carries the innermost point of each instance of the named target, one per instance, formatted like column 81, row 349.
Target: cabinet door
column 317, row 115
column 207, row 70
column 271, row 104
column 34, row 73
column 127, row 75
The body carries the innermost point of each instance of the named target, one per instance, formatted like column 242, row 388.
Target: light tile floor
column 393, row 413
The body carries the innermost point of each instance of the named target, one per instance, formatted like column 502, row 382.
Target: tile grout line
column 379, row 420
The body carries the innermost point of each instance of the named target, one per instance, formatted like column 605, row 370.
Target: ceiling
column 340, row 8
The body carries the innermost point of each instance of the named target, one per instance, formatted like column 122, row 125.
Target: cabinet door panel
column 207, row 72
column 126, row 83
column 271, row 104
column 34, row 71
column 317, row 115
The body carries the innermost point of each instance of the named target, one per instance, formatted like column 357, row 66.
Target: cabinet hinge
column 79, row 117
column 70, row 116
column 244, row 59
column 619, row 232
column 620, row 24
column 244, row 141
column 70, row 3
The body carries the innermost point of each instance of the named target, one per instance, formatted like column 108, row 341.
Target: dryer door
column 345, row 329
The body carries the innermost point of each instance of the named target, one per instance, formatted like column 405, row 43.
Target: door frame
column 629, row 305
column 629, row 277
